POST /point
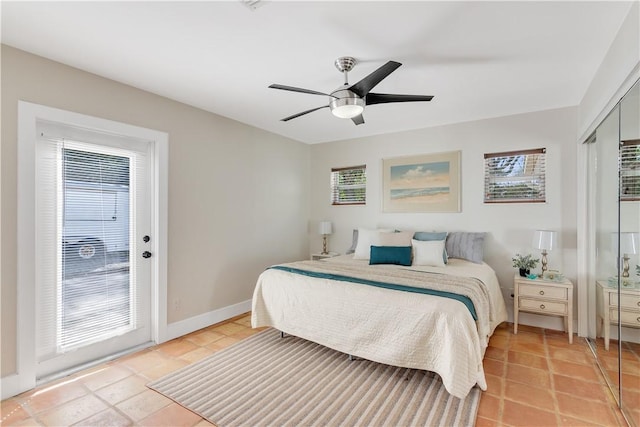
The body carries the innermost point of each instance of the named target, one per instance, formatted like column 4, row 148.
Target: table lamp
column 629, row 244
column 325, row 229
column 545, row 240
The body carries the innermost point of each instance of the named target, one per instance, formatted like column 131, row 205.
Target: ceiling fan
column 348, row 101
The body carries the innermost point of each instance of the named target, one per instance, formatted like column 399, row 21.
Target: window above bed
column 349, row 185
column 515, row 176
column 630, row 170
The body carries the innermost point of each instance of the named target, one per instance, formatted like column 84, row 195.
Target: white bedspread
column 387, row 326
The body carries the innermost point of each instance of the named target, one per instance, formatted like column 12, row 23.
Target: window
column 515, row 176
column 349, row 185
column 630, row 170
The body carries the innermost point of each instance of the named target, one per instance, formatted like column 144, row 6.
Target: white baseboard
column 186, row 326
column 10, row 386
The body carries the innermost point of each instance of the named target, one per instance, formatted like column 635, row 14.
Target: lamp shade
column 325, row 227
column 545, row 239
column 629, row 243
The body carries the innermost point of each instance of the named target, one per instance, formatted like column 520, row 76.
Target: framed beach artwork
column 422, row 183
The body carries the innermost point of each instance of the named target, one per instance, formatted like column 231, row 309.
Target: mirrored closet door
column 614, row 282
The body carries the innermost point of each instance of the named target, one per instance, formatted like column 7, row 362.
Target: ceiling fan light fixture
column 347, row 108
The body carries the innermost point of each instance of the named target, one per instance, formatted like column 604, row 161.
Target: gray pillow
column 352, row 249
column 465, row 245
column 429, row 236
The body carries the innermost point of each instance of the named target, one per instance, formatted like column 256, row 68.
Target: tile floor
column 630, row 372
column 534, row 378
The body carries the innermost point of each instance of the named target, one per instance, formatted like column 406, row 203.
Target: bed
column 433, row 317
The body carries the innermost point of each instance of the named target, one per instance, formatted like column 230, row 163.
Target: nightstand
column 543, row 297
column 607, row 309
column 319, row 256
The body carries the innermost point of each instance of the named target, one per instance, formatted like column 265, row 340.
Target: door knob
column 146, row 254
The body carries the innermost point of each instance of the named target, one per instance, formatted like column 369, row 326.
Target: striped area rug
column 266, row 380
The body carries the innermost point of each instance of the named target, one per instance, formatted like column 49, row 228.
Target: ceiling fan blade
column 358, row 120
column 298, row 89
column 363, row 87
column 286, row 119
column 383, row 98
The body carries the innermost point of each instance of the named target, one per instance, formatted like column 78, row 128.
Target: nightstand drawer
column 626, row 301
column 543, row 306
column 531, row 290
column 629, row 318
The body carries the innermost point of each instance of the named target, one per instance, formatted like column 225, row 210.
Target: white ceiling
column 479, row 59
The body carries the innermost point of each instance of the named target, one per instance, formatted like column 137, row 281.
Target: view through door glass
column 93, row 286
column 96, row 287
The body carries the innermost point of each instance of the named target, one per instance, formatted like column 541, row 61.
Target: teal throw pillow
column 400, row 255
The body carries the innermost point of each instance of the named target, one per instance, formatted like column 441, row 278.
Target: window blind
column 515, row 176
column 630, row 170
column 95, row 229
column 349, row 185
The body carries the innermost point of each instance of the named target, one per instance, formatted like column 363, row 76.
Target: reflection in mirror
column 604, row 153
column 629, row 250
column 614, row 189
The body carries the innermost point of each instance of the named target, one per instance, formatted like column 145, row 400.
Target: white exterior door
column 93, row 245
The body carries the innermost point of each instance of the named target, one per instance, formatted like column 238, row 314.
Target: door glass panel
column 95, row 289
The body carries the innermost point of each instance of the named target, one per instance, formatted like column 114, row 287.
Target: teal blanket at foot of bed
column 463, row 299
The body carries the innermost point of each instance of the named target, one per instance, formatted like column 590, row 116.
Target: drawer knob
column 541, row 306
column 541, row 292
column 638, row 303
column 638, row 319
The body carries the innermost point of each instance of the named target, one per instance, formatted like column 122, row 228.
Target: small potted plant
column 524, row 263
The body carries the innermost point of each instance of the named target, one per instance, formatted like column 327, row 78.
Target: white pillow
column 367, row 238
column 401, row 238
column 427, row 252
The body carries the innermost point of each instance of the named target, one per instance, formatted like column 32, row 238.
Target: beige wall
column 238, row 196
column 510, row 226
